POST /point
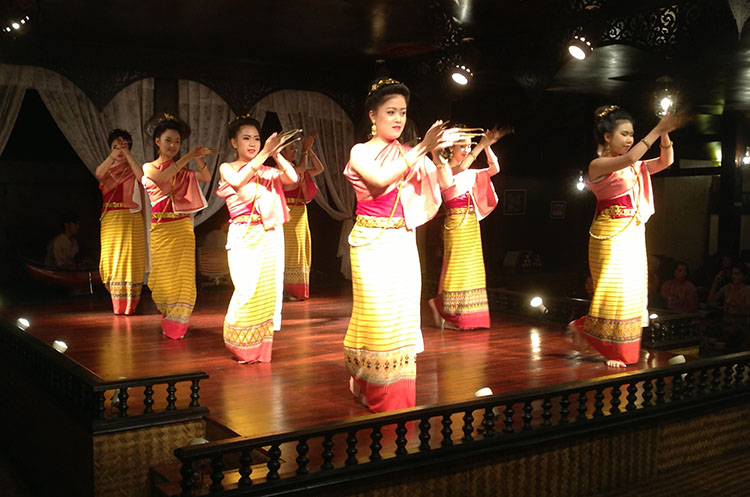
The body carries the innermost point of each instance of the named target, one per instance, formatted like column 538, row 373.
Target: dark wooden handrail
column 632, row 397
column 82, row 393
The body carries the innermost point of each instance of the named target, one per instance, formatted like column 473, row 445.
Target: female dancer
column 297, row 256
column 461, row 302
column 255, row 199
column 122, row 265
column 175, row 195
column 397, row 190
column 617, row 244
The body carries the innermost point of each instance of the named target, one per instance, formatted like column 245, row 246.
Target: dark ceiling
column 517, row 47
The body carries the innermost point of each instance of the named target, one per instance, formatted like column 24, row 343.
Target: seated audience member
column 735, row 295
column 680, row 294
column 63, row 249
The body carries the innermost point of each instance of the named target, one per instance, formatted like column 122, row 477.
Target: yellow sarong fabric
column 172, row 278
column 122, row 265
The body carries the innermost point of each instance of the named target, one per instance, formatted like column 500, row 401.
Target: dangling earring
column 373, row 129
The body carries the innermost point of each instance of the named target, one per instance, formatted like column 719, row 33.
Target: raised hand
column 491, row 136
column 307, row 143
column 433, row 136
column 272, row 145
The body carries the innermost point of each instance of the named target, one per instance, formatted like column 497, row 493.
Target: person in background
column 63, row 249
column 679, row 293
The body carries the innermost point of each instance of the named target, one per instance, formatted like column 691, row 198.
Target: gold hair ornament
column 381, row 83
column 165, row 116
column 608, row 110
column 243, row 116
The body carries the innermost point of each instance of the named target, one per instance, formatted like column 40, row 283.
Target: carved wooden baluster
column 728, row 375
column 217, row 473
column 689, row 384
column 468, row 427
column 401, row 439
column 564, row 411
column 148, row 399
column 351, row 448
column 582, row 408
column 274, row 456
column 615, row 400
column 647, row 395
column 447, row 431
column 488, row 422
column 660, row 392
column 598, row 403
column 739, row 374
column 715, row 379
column 508, row 420
column 246, row 461
column 702, row 381
column 122, row 407
column 526, row 416
column 546, row 411
column 194, row 395
column 677, row 387
column 101, row 399
column 632, row 397
column 171, row 398
column 327, row 452
column 186, row 483
column 424, row 434
column 302, row 460
column 376, row 436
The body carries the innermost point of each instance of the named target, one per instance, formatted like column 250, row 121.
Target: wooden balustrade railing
column 84, row 395
column 487, row 425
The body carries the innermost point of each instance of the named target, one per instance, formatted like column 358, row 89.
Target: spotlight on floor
column 579, row 47
column 60, row 346
column 461, row 75
column 23, row 324
column 538, row 303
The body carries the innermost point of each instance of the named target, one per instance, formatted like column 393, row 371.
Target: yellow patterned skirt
column 172, row 278
column 619, row 270
column 297, row 254
column 380, row 342
column 122, row 265
column 248, row 326
column 462, row 293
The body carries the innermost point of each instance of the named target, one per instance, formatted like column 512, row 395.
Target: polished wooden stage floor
column 307, row 383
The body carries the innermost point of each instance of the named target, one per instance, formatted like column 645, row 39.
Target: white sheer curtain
column 79, row 120
column 11, row 96
column 315, row 112
column 207, row 114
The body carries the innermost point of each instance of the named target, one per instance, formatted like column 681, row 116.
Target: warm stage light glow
column 580, row 185
column 653, row 316
column 15, row 25
column 60, row 346
column 23, row 323
column 536, row 302
column 461, row 75
column 580, row 47
column 459, row 78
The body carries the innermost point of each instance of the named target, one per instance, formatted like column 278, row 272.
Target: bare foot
column 614, row 363
column 436, row 318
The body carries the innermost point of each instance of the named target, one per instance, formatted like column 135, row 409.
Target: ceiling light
column 23, row 324
column 461, row 75
column 580, row 47
column 746, row 157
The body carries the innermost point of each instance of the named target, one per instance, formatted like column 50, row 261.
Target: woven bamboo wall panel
column 574, row 469
column 122, row 460
column 687, row 442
